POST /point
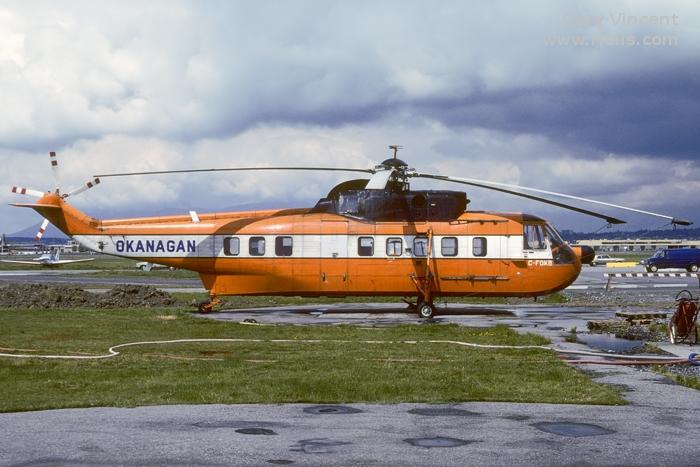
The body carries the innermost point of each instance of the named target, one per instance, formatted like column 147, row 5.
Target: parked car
column 605, row 259
column 666, row 258
column 146, row 266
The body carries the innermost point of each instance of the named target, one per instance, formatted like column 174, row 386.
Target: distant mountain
column 51, row 232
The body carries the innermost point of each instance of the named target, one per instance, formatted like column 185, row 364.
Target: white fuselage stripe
column 309, row 246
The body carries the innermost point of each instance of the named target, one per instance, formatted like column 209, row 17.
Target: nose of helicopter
column 585, row 253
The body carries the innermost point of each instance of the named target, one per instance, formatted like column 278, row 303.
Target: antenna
column 396, row 148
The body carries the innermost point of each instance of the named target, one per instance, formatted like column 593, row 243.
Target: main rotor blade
column 478, row 183
column 674, row 220
column 380, row 179
column 235, row 169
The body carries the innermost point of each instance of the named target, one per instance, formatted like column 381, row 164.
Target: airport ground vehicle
column 669, row 258
column 148, row 266
column 605, row 259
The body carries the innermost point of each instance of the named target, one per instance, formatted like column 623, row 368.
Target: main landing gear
column 426, row 310
column 206, row 306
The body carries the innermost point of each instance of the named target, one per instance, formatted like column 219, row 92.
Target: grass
column 687, row 381
column 265, row 372
column 102, row 262
column 105, row 265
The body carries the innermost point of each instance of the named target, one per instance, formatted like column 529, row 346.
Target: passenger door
column 334, row 256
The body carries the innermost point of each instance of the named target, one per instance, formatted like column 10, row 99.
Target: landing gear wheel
column 693, row 268
column 205, row 306
column 652, row 268
column 426, row 310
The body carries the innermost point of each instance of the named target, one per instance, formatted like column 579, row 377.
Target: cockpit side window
column 534, row 237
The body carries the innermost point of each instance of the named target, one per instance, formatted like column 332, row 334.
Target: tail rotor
column 57, row 190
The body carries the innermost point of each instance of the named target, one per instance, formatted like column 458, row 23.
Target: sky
column 595, row 99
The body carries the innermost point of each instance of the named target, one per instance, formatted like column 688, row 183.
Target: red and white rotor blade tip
column 87, row 186
column 27, row 191
column 42, row 229
column 54, row 169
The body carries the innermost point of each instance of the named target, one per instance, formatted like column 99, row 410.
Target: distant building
column 639, row 244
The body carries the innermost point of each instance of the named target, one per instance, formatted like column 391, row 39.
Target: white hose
column 114, row 353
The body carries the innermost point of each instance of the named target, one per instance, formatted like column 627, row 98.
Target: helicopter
column 371, row 236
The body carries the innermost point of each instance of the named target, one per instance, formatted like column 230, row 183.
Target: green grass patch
column 329, row 371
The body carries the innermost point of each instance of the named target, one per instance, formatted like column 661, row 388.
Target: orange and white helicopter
column 368, row 237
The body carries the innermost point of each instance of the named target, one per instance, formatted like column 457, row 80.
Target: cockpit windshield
column 561, row 252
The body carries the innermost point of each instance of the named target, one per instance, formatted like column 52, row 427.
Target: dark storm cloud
column 654, row 112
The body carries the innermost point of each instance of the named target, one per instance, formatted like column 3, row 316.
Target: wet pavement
column 645, row 432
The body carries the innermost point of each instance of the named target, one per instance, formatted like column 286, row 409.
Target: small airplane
column 50, row 259
column 367, row 237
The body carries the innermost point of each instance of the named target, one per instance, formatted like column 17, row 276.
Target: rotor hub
column 395, row 163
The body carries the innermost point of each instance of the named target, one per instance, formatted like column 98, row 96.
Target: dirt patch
column 34, row 296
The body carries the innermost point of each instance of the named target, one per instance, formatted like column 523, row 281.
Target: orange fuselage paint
column 319, row 254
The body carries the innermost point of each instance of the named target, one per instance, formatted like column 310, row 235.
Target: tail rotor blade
column 87, row 186
column 27, row 191
column 54, row 169
column 41, row 231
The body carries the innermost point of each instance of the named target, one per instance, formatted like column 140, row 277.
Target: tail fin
column 65, row 217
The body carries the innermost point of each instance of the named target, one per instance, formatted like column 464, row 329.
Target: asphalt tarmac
column 657, row 427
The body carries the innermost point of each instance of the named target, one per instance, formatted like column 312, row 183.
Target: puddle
column 517, row 418
column 244, row 424
column 573, row 430
column 610, row 343
column 317, row 446
column 331, row 409
column 443, row 412
column 255, row 431
column 437, row 442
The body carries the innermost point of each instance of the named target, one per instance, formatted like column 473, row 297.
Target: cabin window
column 479, row 246
column 256, row 246
column 394, row 247
column 420, row 246
column 283, row 246
column 232, row 246
column 365, row 246
column 533, row 237
column 448, row 246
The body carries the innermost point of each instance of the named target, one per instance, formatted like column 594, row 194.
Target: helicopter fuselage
column 310, row 253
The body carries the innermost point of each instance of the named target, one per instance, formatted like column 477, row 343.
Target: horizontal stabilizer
column 35, row 205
